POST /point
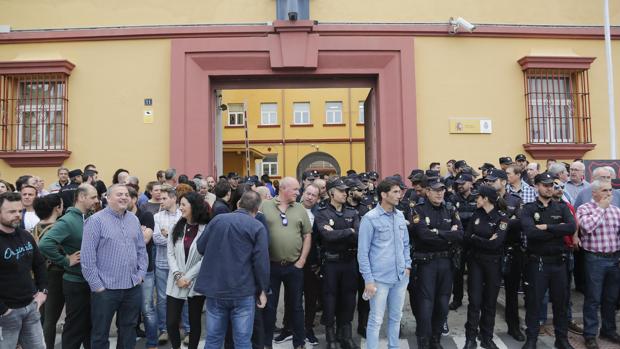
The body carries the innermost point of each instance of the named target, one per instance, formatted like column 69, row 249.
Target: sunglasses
column 284, row 219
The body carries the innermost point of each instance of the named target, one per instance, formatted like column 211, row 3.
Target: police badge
column 537, row 216
column 416, row 219
column 331, row 222
column 503, row 226
column 412, row 204
column 428, row 221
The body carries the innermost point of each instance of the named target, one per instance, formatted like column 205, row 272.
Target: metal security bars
column 558, row 106
column 33, row 112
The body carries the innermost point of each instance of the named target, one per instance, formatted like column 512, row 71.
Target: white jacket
column 176, row 262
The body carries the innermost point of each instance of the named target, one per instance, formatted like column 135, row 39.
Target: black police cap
column 460, row 163
column 486, row 166
column 436, row 183
column 336, row 183
column 464, row 177
column 505, row 160
column 495, row 173
column 520, row 157
column 373, row 175
column 75, row 173
column 545, row 178
column 232, row 175
column 488, row 192
column 354, row 182
column 415, row 172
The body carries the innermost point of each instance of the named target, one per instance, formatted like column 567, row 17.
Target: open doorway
column 287, row 131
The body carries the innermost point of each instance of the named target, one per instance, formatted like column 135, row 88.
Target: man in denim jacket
column 384, row 262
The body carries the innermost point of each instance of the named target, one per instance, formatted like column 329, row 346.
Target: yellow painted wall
column 39, row 14
column 293, row 153
column 106, row 97
column 466, row 77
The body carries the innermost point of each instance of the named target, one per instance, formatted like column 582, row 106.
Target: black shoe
column 311, row 338
column 401, row 331
column 140, row 332
column 330, row 338
column 516, row 334
column 445, row 330
column 488, row 343
column 591, row 343
column 436, row 342
column 470, row 343
column 612, row 337
column 455, row 305
column 563, row 343
column 285, row 335
column 574, row 328
column 529, row 344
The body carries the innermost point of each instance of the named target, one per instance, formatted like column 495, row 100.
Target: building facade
column 136, row 85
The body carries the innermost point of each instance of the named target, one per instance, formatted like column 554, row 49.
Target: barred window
column 557, row 100
column 33, row 109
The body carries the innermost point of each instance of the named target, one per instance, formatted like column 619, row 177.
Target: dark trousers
column 312, row 294
column 339, row 289
column 458, row 283
column 174, row 308
column 363, row 307
column 542, row 277
column 579, row 271
column 52, row 309
column 126, row 304
column 432, row 288
column 512, row 282
column 76, row 330
column 293, row 279
column 483, row 283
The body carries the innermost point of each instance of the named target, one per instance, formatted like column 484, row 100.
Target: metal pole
column 610, row 85
column 247, row 139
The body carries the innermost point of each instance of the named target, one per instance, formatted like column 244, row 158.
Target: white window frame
column 301, row 113
column 44, row 131
column 237, row 116
column 361, row 113
column 333, row 113
column 544, row 105
column 272, row 165
column 268, row 116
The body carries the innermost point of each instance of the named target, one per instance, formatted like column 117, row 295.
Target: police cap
column 232, row 175
column 545, row 178
column 354, row 182
column 496, row 173
column 336, row 183
column 488, row 192
column 415, row 172
column 309, row 175
column 520, row 157
column 75, row 173
column 373, row 175
column 432, row 173
column 363, row 177
column 505, row 160
column 464, row 177
column 436, row 183
column 486, row 166
column 460, row 163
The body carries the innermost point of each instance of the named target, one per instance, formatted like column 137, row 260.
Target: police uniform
column 338, row 233
column 547, row 263
column 485, row 236
column 465, row 206
column 515, row 272
column 434, row 241
column 67, row 193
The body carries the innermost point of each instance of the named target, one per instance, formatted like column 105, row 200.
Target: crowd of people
column 157, row 257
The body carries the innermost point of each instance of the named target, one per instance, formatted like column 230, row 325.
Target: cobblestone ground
column 456, row 338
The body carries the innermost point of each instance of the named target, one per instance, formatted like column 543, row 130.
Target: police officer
column 338, row 228
column 514, row 256
column 545, row 223
column 437, row 230
column 485, row 236
column 464, row 199
column 67, row 193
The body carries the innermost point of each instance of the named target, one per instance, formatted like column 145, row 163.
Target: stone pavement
column 456, row 321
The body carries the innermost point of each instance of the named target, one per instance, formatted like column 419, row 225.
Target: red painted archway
column 292, row 50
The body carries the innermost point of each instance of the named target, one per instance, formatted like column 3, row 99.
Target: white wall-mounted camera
column 460, row 23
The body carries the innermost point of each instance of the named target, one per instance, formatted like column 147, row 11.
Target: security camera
column 292, row 16
column 223, row 107
column 292, row 7
column 460, row 23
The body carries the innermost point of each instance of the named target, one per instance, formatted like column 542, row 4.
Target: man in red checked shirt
column 600, row 239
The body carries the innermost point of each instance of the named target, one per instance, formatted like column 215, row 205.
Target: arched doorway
column 319, row 161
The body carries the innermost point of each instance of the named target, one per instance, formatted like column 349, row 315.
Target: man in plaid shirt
column 517, row 186
column 600, row 239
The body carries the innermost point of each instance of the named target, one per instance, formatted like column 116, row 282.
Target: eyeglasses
column 558, row 186
column 284, row 219
column 576, row 169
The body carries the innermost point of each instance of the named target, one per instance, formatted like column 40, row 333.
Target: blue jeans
column 161, row 281
column 23, row 326
column 148, row 310
column 391, row 296
column 602, row 286
column 240, row 312
column 126, row 304
column 293, row 279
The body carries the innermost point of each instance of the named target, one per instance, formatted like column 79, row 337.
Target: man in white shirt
column 29, row 217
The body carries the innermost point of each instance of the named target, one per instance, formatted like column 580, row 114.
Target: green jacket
column 66, row 232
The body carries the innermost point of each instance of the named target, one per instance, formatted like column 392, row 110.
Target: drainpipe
column 610, row 85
